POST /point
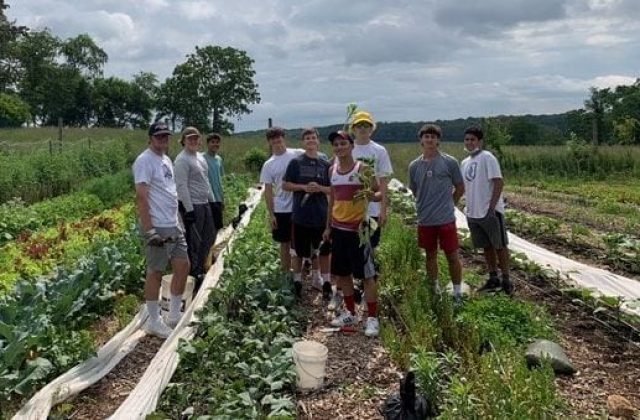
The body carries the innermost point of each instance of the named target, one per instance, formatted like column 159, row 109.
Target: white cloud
column 404, row 60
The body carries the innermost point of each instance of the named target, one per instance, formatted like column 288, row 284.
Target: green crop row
column 43, row 322
column 239, row 364
column 469, row 361
column 95, row 196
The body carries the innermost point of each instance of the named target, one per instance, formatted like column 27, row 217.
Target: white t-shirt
column 272, row 173
column 157, row 173
column 375, row 153
column 477, row 172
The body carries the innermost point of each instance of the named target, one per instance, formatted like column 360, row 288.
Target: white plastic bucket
column 310, row 358
column 165, row 293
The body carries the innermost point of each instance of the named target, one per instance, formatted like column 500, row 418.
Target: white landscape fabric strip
column 85, row 374
column 583, row 275
column 92, row 370
column 144, row 397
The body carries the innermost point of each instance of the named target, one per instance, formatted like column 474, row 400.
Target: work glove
column 152, row 238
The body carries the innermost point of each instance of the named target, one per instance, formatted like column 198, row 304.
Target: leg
column 152, row 283
column 503, row 260
column 285, row 256
column 491, row 258
column 455, row 268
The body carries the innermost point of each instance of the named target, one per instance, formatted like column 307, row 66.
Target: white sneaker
column 316, row 282
column 344, row 319
column 372, row 327
column 336, row 302
column 172, row 321
column 158, row 328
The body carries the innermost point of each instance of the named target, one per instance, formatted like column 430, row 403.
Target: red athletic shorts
column 428, row 237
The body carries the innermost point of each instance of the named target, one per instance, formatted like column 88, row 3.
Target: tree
column 13, row 111
column 523, row 131
column 9, row 32
column 627, row 130
column 82, row 54
column 213, row 84
column 597, row 106
column 496, row 136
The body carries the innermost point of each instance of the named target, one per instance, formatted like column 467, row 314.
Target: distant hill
column 525, row 129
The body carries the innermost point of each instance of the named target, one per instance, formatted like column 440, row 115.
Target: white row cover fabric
column 601, row 282
column 92, row 370
column 144, row 397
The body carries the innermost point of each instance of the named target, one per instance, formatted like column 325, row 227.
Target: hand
column 273, row 221
column 491, row 212
column 152, row 238
column 312, row 187
column 189, row 217
column 326, row 235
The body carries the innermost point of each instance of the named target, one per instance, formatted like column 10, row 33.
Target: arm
column 142, row 203
column 458, row 191
column 268, row 199
column 182, row 184
column 498, row 185
column 326, row 235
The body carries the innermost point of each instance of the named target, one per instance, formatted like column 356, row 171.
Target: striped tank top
column 347, row 213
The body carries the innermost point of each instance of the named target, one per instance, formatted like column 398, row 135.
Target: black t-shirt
column 309, row 209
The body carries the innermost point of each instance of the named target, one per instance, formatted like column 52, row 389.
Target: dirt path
column 360, row 375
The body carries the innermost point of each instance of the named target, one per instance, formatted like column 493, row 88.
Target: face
column 471, row 142
column 341, row 147
column 192, row 143
column 429, row 142
column 278, row 145
column 159, row 143
column 363, row 130
column 213, row 146
column 310, row 142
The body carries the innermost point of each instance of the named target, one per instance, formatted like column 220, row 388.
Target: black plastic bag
column 407, row 405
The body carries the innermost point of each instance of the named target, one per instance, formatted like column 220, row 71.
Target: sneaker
column 158, row 328
column 297, row 289
column 344, row 319
column 171, row 321
column 327, row 292
column 372, row 327
column 336, row 302
column 492, row 285
column 507, row 287
column 316, row 283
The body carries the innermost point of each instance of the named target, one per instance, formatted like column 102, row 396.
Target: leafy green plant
column 253, row 159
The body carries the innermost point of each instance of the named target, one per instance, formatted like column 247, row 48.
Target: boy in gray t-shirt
column 437, row 184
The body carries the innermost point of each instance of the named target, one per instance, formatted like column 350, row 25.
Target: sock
column 154, row 310
column 457, row 290
column 326, row 278
column 493, row 274
column 297, row 277
column 372, row 309
column 350, row 304
column 175, row 302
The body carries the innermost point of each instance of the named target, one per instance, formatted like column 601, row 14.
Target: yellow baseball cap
column 362, row 116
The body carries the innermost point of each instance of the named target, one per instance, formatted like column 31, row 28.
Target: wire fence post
column 60, row 132
column 270, row 123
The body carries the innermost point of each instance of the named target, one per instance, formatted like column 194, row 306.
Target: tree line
column 44, row 78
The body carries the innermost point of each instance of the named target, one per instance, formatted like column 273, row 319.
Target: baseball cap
column 342, row 134
column 362, row 116
column 159, row 127
column 190, row 131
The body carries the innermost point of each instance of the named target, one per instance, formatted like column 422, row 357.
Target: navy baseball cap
column 158, row 128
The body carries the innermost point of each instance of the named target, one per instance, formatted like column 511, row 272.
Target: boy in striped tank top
column 346, row 212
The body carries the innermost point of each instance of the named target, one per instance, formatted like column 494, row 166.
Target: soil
column 359, row 375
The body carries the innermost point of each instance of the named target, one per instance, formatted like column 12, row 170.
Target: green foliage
column 239, row 365
column 253, row 159
column 496, row 136
column 13, row 111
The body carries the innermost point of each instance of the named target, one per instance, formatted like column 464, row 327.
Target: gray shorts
column 159, row 256
column 488, row 231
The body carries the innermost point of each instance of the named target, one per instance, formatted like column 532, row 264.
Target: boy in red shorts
column 350, row 258
column 436, row 182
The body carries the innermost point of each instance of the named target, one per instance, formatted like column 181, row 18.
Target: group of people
column 180, row 211
column 331, row 212
column 326, row 211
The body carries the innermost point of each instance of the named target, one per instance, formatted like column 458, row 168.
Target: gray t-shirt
column 192, row 180
column 432, row 182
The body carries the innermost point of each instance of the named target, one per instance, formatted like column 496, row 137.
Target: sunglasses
column 362, row 125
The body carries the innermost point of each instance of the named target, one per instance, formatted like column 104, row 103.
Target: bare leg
column 285, row 256
column 455, row 268
column 152, row 285
column 491, row 259
column 180, row 267
column 503, row 260
column 432, row 267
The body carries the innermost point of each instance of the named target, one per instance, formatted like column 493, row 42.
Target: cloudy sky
column 404, row 60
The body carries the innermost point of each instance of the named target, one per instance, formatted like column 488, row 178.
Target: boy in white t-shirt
column 483, row 186
column 279, row 202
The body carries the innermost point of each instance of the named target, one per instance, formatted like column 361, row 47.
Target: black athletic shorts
column 283, row 232
column 348, row 257
column 216, row 210
column 305, row 240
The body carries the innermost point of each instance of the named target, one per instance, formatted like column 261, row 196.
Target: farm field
column 78, row 240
